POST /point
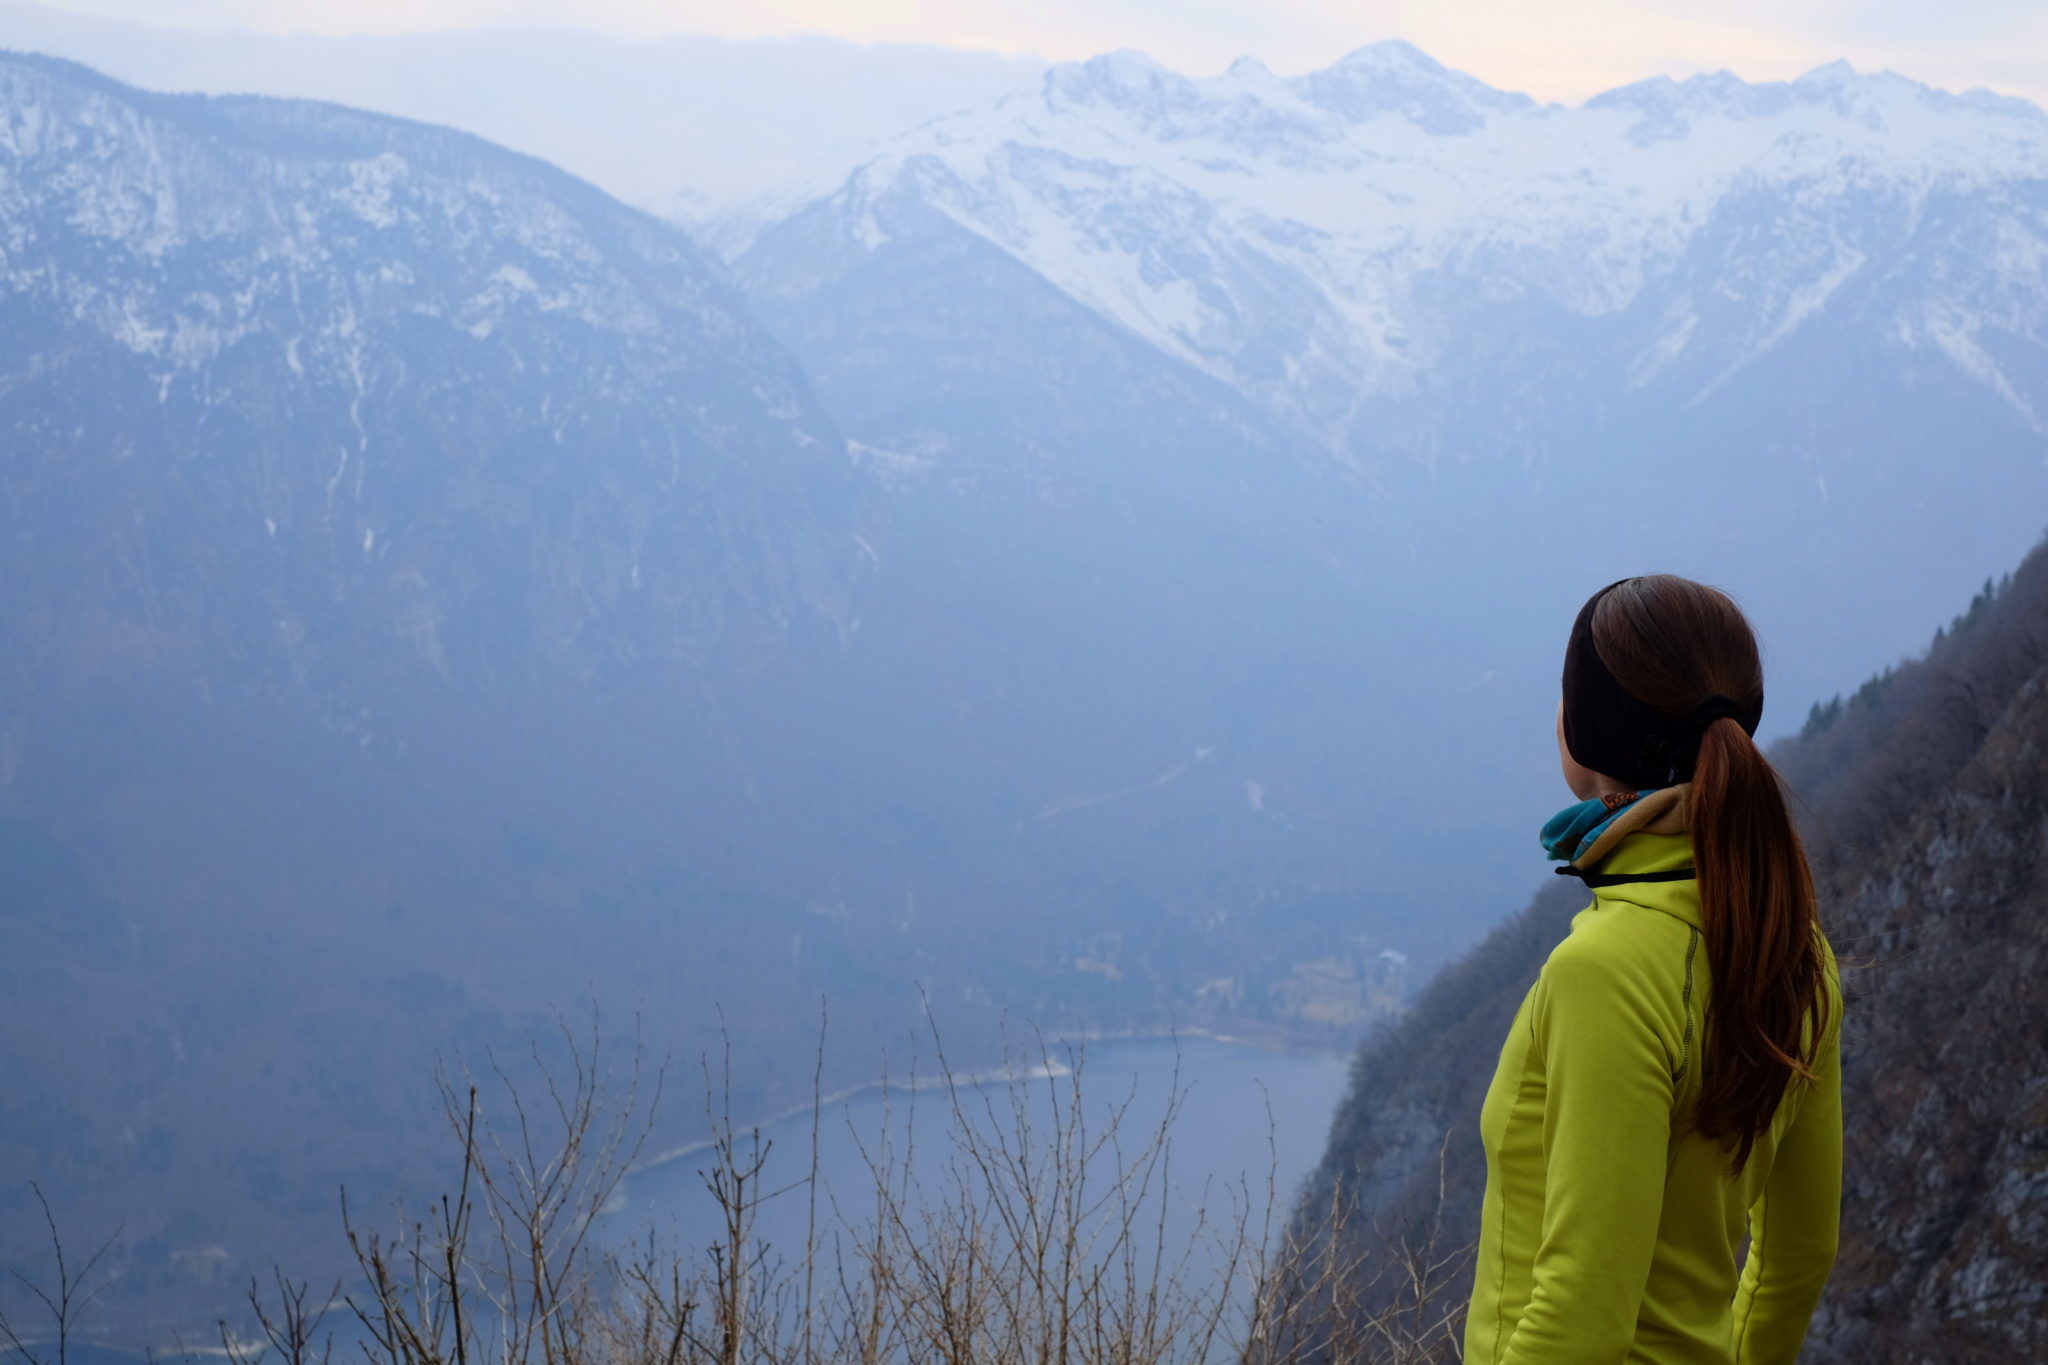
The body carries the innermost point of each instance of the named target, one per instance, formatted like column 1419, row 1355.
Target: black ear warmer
column 1610, row 730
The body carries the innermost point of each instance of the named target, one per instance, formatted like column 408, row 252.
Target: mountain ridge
column 256, row 252
column 565, row 94
column 1189, row 208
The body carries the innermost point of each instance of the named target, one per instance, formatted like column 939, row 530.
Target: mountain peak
column 1396, row 77
column 1666, row 107
column 1128, row 63
column 1125, row 78
column 1875, row 97
column 1390, row 53
column 1830, row 75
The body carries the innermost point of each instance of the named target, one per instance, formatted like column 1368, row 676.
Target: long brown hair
column 1673, row 643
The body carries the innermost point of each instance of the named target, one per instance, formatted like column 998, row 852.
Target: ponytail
column 1769, row 1004
column 1674, row 643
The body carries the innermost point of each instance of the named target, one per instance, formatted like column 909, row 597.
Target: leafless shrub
column 1336, row 1294
column 64, row 1302
column 289, row 1326
column 540, row 1161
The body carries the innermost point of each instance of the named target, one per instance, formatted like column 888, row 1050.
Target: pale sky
column 1553, row 49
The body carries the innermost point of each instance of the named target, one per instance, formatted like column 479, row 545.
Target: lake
column 1238, row 1120
column 1221, row 1154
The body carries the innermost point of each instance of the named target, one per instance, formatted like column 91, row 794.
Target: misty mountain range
column 1103, row 558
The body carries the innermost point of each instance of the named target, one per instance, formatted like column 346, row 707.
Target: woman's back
column 1672, row 1081
column 1611, row 1227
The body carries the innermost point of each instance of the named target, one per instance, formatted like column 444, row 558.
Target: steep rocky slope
column 1923, row 800
column 1932, row 814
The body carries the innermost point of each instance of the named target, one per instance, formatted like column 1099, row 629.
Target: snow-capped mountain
column 1791, row 336
column 1329, row 241
column 402, row 393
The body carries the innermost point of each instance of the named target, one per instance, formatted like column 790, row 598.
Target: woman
column 1673, row 1080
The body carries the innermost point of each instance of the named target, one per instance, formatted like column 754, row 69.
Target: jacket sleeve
column 1608, row 1093
column 1793, row 1225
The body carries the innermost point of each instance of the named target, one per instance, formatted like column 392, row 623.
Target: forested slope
column 1922, row 797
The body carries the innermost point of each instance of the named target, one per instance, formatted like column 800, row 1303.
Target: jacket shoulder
column 1617, row 936
column 1624, row 963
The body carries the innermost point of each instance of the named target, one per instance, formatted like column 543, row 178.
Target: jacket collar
column 1649, row 836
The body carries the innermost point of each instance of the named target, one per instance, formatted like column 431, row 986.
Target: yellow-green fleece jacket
column 1610, row 1231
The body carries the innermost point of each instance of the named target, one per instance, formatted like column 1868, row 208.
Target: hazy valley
column 1096, row 557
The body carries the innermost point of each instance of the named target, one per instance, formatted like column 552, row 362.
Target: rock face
column 1922, row 804
column 1934, row 825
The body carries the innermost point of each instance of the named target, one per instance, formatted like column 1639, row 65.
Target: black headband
column 1610, row 730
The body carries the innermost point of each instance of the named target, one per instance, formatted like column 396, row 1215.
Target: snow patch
column 1955, row 338
column 371, row 189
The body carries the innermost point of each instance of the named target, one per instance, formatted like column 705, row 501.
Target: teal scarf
column 1576, row 827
